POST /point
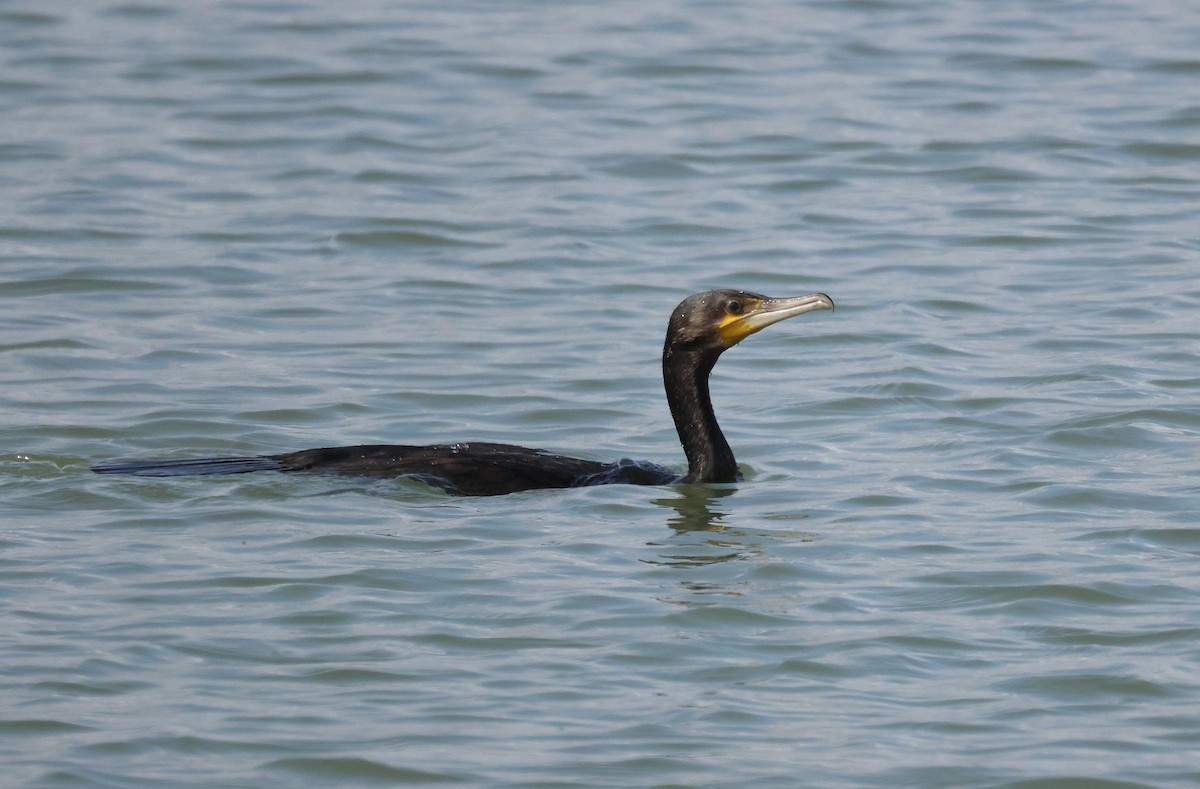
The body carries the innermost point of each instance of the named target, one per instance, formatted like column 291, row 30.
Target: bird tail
column 184, row 468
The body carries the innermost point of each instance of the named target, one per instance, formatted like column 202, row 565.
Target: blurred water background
column 965, row 553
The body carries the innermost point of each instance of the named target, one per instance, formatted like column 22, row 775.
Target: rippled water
column 966, row 550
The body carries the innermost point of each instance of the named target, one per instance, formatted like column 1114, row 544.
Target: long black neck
column 685, row 375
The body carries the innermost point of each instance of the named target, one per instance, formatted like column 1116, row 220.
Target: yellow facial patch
column 735, row 328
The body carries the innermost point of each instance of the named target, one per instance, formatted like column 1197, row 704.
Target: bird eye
column 733, row 307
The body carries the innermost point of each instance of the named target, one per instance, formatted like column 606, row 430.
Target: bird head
column 719, row 319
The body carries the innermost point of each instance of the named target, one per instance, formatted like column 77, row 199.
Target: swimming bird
column 701, row 328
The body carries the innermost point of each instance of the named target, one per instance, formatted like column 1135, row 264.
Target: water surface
column 964, row 554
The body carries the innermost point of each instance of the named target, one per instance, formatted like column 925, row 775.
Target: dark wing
column 471, row 469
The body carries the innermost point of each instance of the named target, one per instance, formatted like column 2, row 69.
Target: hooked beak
column 759, row 316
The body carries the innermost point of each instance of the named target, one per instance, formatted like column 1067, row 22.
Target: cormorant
column 701, row 328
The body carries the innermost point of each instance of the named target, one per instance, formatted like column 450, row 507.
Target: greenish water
column 965, row 553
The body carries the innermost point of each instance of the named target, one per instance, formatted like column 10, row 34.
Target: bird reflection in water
column 696, row 512
column 702, row 536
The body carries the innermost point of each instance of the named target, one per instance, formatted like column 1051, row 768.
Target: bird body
column 471, row 469
column 700, row 329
